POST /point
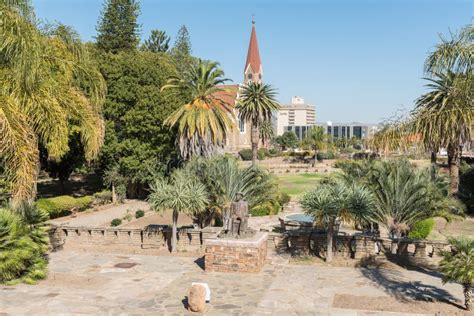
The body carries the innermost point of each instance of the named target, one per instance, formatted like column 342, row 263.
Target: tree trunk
column 114, row 195
column 174, row 232
column 330, row 237
column 433, row 165
column 315, row 157
column 254, row 140
column 454, row 160
column 467, row 296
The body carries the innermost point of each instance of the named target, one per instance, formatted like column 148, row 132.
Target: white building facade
column 297, row 117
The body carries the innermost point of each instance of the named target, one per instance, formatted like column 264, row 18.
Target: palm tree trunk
column 315, row 157
column 467, row 296
column 433, row 165
column 454, row 160
column 330, row 236
column 174, row 232
column 114, row 195
column 254, row 140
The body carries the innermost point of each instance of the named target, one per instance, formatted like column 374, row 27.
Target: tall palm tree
column 203, row 122
column 181, row 194
column 457, row 266
column 48, row 82
column 337, row 200
column 443, row 117
column 256, row 105
column 317, row 139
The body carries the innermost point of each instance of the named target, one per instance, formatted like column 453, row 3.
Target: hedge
column 246, row 154
column 421, row 229
column 63, row 205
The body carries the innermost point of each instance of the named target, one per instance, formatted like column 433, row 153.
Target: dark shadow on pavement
column 200, row 262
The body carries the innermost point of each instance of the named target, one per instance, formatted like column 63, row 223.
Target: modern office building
column 349, row 130
column 297, row 116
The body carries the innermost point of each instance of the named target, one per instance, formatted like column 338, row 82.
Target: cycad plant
column 256, row 104
column 181, row 193
column 202, row 123
column 224, row 178
column 48, row 83
column 332, row 200
column 23, row 245
column 405, row 195
column 457, row 266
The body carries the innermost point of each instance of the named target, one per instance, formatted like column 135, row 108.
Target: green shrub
column 267, row 208
column 246, row 154
column 259, row 212
column 274, row 152
column 262, row 153
column 103, row 197
column 63, row 205
column 284, row 198
column 139, row 214
column 421, row 229
column 116, row 222
column 326, row 155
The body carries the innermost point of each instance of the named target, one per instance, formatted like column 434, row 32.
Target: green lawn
column 297, row 184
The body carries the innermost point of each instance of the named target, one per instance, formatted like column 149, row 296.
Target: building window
column 358, row 132
column 242, row 126
column 249, row 76
column 343, row 132
column 336, row 131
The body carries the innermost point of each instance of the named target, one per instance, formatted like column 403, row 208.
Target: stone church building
column 239, row 137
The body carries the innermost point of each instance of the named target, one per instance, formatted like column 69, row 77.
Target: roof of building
column 228, row 94
column 253, row 54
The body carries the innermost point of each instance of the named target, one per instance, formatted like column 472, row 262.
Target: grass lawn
column 297, row 184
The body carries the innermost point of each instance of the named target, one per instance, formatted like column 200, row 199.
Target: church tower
column 253, row 67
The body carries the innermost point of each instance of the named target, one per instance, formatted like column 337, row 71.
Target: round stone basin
column 303, row 218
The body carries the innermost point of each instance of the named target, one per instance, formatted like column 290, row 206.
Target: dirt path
column 104, row 216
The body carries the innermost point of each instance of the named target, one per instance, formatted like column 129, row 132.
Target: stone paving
column 110, row 284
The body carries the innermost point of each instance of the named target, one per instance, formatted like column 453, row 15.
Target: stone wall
column 125, row 240
column 153, row 240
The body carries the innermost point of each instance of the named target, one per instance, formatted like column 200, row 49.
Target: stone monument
column 237, row 248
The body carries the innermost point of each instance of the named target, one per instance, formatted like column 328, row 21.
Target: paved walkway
column 108, row 284
column 104, row 216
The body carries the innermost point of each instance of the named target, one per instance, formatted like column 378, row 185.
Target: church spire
column 253, row 66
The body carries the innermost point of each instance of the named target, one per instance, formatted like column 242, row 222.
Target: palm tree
column 182, row 194
column 203, row 122
column 457, row 265
column 316, row 138
column 256, row 105
column 337, row 200
column 48, row 82
column 266, row 132
column 443, row 118
column 224, row 178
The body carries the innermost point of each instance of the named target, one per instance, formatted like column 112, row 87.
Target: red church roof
column 253, row 55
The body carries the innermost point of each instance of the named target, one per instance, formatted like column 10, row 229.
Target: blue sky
column 358, row 60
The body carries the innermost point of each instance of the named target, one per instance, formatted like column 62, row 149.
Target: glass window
column 242, row 126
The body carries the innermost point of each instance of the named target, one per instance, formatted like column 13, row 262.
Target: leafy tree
column 158, row 42
column 457, row 266
column 41, row 97
column 181, row 194
column 74, row 158
column 316, row 138
column 117, row 27
column 334, row 200
column 224, row 178
column 256, row 105
column 287, row 140
column 136, row 139
column 205, row 119
column 181, row 51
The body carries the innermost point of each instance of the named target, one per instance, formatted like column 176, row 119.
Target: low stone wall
column 155, row 239
column 235, row 255
column 423, row 253
column 126, row 240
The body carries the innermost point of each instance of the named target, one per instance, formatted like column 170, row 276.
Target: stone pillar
column 364, row 247
column 420, row 257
